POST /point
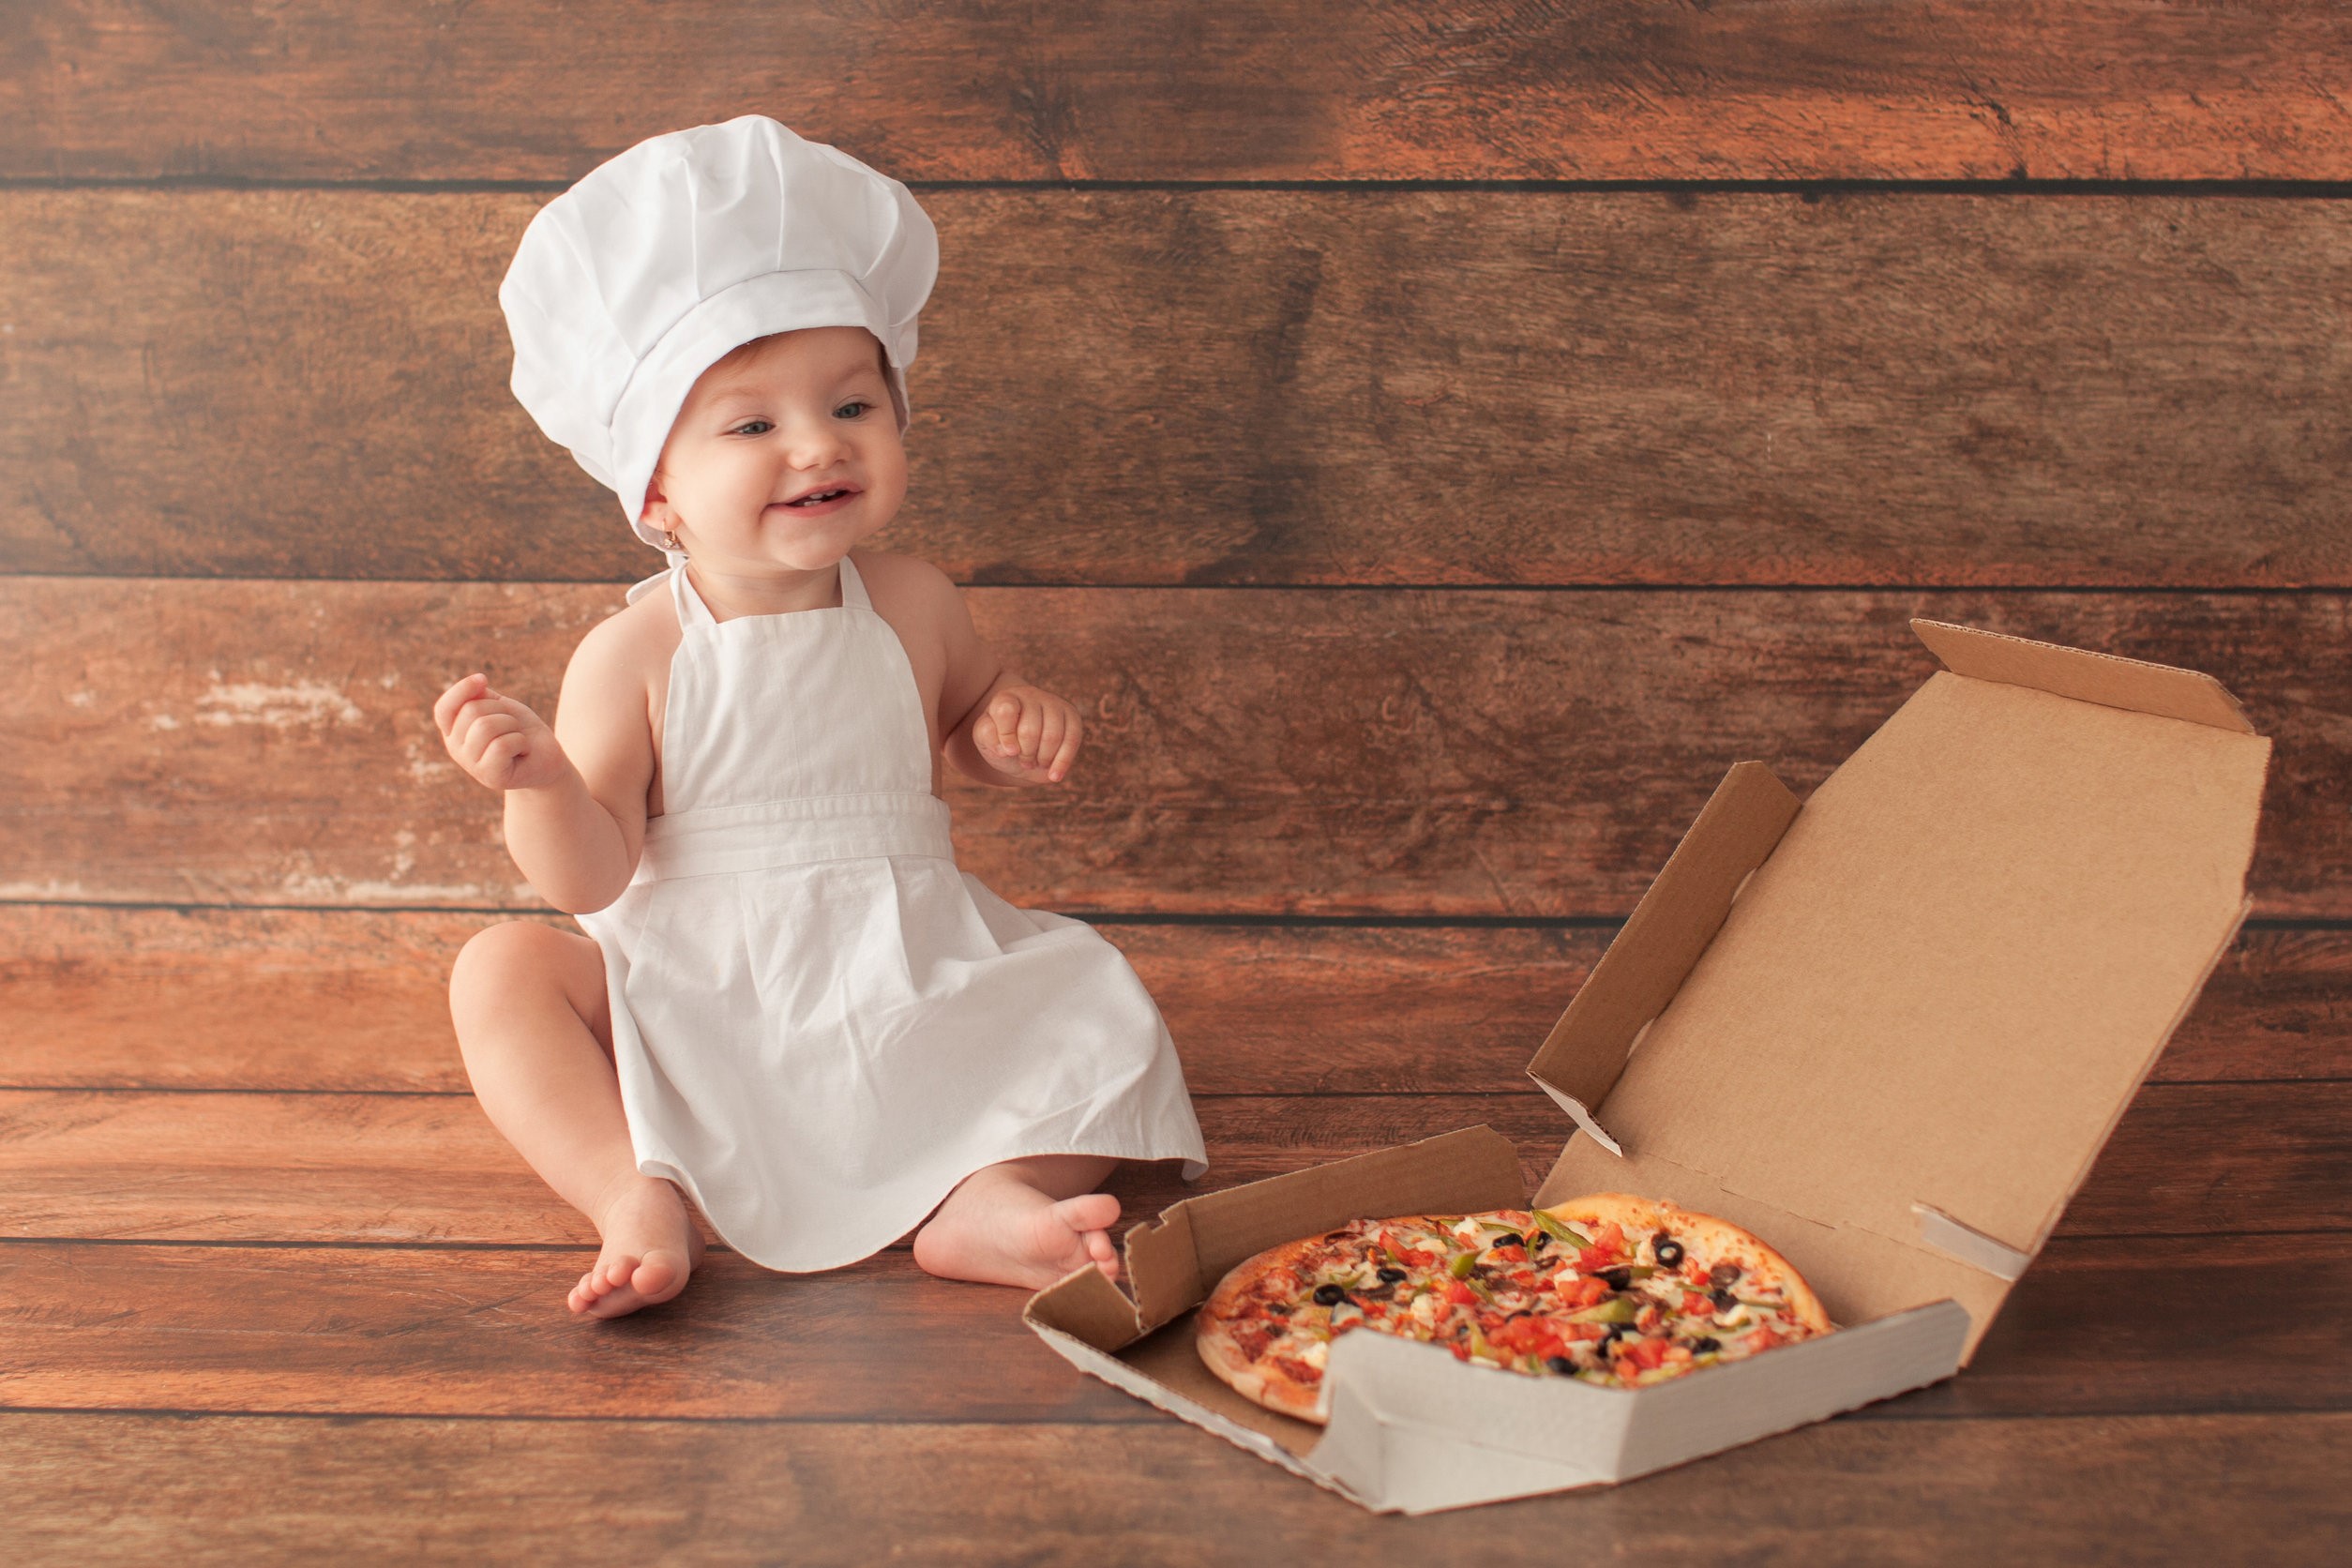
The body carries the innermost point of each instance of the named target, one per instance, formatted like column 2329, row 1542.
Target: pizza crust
column 1222, row 1352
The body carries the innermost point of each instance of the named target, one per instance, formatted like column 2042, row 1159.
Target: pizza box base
column 1888, row 1031
column 1413, row 1429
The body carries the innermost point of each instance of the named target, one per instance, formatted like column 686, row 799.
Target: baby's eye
column 742, row 429
column 852, row 408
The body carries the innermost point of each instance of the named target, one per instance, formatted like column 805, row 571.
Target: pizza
column 1612, row 1290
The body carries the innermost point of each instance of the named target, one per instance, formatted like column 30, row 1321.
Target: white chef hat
column 662, row 259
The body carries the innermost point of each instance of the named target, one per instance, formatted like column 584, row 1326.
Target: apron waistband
column 792, row 832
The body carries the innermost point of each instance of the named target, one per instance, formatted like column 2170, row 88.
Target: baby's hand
column 497, row 739
column 1029, row 734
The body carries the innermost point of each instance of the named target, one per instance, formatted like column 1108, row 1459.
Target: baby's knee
column 499, row 961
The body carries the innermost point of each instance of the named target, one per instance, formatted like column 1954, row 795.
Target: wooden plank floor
column 1433, row 438
column 254, row 1226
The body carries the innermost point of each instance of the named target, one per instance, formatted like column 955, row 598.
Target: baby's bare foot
column 651, row 1244
column 1001, row 1230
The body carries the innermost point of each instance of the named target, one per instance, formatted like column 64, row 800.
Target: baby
column 792, row 1009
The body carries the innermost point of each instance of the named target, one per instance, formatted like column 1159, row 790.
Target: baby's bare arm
column 575, row 794
column 998, row 728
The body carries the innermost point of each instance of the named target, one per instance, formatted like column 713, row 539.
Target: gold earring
column 672, row 538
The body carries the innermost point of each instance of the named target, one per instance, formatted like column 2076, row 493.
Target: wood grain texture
column 1261, row 386
column 137, row 1489
column 487, row 1332
column 124, row 1488
column 1153, row 89
column 2090, row 1328
column 1341, row 752
column 2093, row 1328
column 2190, row 1159
column 356, row 1000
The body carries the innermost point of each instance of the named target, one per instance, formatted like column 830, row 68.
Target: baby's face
column 785, row 457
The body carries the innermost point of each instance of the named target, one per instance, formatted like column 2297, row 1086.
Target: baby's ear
column 655, row 510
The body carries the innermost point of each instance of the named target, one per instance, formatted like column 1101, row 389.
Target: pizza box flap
column 1173, row 1261
column 1912, row 1010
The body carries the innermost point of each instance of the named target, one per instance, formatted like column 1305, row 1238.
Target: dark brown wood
column 366, row 1167
column 1153, row 89
column 1258, row 386
column 2100, row 1324
column 1331, row 752
column 116, row 997
column 141, row 1488
column 2094, row 1328
column 2279, row 1005
column 487, row 1332
column 131, row 1164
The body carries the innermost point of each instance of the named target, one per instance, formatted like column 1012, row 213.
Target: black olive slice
column 1391, row 1277
column 1723, row 1273
column 1329, row 1295
column 1668, row 1250
column 1560, row 1364
column 1617, row 1279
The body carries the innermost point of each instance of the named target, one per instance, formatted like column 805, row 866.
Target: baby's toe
column 614, row 1304
column 1094, row 1211
column 656, row 1274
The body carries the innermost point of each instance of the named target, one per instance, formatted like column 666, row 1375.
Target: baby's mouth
column 819, row 498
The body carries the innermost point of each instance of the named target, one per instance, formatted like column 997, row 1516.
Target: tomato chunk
column 1643, row 1353
column 1531, row 1336
column 1582, row 1291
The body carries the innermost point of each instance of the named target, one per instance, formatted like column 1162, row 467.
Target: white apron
column 822, row 1024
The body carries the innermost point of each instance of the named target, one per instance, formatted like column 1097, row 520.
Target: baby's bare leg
column 1023, row 1222
column 529, row 1004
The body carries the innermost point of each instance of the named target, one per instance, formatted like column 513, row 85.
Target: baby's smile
column 823, row 499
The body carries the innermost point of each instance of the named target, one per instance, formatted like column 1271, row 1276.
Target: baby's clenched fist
column 1028, row 732
column 497, row 739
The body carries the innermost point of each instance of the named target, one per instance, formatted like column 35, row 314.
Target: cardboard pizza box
column 1887, row 1031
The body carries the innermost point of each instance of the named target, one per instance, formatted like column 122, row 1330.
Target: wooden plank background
column 1433, row 441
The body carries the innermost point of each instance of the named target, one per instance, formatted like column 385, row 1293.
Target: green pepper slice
column 1461, row 1263
column 1617, row 1309
column 1557, row 1231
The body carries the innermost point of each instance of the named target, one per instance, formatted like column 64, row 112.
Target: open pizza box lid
column 1887, row 1031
